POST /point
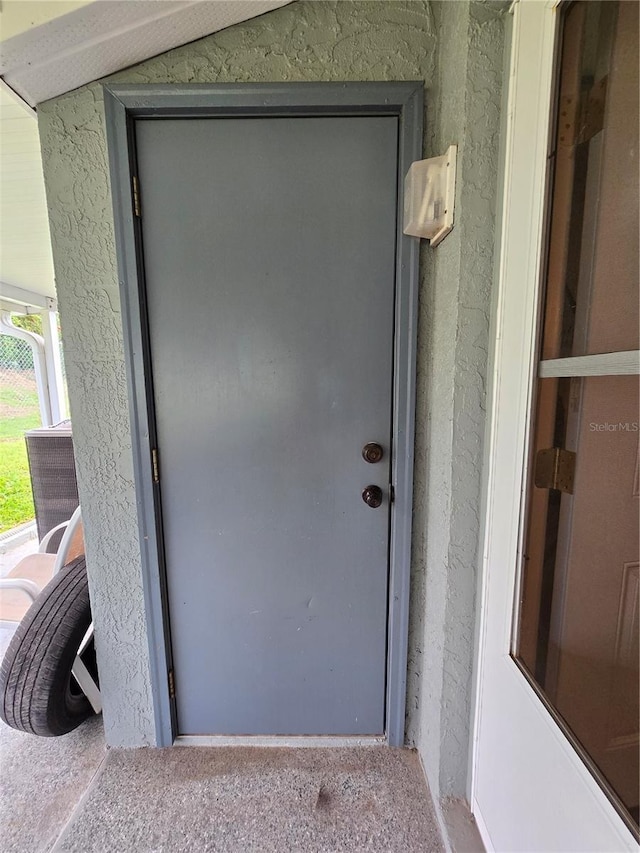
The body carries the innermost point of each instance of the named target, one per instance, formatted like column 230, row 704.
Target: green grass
column 22, row 398
column 12, row 428
column 16, row 500
column 19, row 412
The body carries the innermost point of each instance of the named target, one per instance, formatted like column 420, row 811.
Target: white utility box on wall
column 429, row 193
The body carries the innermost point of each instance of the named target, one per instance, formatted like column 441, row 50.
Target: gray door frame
column 124, row 104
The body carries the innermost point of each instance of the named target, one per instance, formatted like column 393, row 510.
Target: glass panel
column 592, row 271
column 579, row 608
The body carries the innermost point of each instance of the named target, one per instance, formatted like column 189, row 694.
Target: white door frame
column 529, row 789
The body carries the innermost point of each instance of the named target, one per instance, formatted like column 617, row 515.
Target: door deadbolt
column 372, row 452
column 372, row 496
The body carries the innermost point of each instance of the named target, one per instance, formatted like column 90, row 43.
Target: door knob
column 372, row 496
column 372, row 452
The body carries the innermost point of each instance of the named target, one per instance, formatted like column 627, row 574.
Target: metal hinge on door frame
column 136, row 196
column 172, row 685
column 555, row 469
column 155, row 465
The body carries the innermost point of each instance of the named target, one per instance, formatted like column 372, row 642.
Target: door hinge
column 592, row 121
column 156, row 467
column 136, row 197
column 555, row 469
column 172, row 685
column 392, row 493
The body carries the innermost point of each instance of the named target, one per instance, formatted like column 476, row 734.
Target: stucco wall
column 454, row 327
column 456, row 49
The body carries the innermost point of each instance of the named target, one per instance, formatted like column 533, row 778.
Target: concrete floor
column 270, row 800
column 41, row 780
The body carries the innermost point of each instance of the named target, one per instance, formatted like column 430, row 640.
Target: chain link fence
column 18, row 391
column 19, row 412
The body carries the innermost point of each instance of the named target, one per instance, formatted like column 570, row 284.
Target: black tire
column 37, row 693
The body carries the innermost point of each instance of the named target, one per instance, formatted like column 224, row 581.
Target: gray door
column 269, row 252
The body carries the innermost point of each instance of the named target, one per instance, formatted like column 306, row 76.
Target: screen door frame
column 124, row 104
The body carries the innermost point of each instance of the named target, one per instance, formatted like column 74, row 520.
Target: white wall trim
column 99, row 39
column 55, row 379
column 525, row 175
column 21, row 298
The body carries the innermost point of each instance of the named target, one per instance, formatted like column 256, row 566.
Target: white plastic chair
column 33, row 573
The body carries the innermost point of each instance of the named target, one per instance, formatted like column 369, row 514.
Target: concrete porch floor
column 41, row 780
column 70, row 794
column 236, row 799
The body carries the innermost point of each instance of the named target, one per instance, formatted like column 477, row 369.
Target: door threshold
column 299, row 741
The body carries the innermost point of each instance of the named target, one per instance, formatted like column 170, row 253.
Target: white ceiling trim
column 17, row 16
column 104, row 37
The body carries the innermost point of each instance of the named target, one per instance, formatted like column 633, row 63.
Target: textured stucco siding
column 456, row 49
column 452, row 363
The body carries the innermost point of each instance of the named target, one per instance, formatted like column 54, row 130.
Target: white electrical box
column 429, row 193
